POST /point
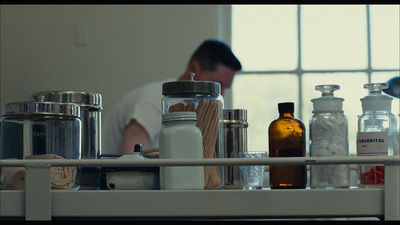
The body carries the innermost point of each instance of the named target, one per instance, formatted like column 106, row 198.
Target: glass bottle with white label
column 376, row 136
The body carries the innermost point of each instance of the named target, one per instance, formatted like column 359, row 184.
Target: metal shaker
column 235, row 141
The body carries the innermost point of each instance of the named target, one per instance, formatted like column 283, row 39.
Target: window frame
column 299, row 71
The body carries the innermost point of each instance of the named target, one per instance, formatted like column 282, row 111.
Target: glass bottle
column 376, row 136
column 287, row 138
column 329, row 137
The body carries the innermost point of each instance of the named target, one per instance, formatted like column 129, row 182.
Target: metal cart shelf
column 40, row 202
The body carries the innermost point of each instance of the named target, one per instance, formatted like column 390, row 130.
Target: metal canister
column 90, row 110
column 235, row 141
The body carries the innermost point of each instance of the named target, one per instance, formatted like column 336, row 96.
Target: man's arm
column 134, row 133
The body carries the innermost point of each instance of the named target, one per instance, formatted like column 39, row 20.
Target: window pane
column 264, row 37
column 334, row 37
column 351, row 89
column 260, row 95
column 384, row 77
column 385, row 41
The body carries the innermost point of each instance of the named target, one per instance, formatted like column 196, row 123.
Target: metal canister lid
column 235, row 118
column 77, row 97
column 41, row 108
column 235, row 114
column 191, row 87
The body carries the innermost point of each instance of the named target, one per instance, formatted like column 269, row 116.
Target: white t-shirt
column 142, row 104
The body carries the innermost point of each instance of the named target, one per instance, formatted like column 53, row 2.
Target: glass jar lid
column 41, row 108
column 190, row 87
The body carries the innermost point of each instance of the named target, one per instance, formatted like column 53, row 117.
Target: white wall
column 126, row 46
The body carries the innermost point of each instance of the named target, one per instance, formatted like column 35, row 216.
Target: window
column 286, row 50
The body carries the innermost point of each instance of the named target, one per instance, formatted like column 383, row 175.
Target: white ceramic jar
column 180, row 138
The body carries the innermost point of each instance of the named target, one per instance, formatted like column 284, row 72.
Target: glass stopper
column 376, row 88
column 327, row 89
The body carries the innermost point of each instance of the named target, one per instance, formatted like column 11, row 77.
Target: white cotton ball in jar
column 328, row 134
column 327, row 172
column 317, row 123
column 330, row 124
column 324, row 143
column 322, row 152
column 337, row 130
column 317, row 134
column 333, row 148
column 315, row 172
column 342, row 150
column 315, row 151
column 337, row 171
column 338, row 139
column 333, row 118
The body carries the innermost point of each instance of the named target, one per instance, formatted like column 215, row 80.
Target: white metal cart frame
column 39, row 202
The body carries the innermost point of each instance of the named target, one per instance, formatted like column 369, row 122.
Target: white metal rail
column 40, row 202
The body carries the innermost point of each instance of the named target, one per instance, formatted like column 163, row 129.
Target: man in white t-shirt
column 136, row 118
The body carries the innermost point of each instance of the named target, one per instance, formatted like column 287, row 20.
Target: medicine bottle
column 204, row 98
column 329, row 137
column 181, row 139
column 287, row 138
column 377, row 134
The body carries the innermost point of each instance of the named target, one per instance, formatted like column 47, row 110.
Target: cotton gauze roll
column 13, row 178
column 61, row 177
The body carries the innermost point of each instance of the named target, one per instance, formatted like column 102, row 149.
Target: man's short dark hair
column 212, row 52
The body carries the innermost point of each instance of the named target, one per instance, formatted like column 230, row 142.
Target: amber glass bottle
column 287, row 139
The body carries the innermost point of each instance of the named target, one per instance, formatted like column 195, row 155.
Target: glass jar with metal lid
column 204, row 98
column 40, row 130
column 90, row 110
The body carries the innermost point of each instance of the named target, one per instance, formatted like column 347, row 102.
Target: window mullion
column 299, row 70
column 369, row 67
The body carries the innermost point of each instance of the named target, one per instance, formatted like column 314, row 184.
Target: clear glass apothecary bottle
column 41, row 130
column 329, row 137
column 204, row 98
column 377, row 134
